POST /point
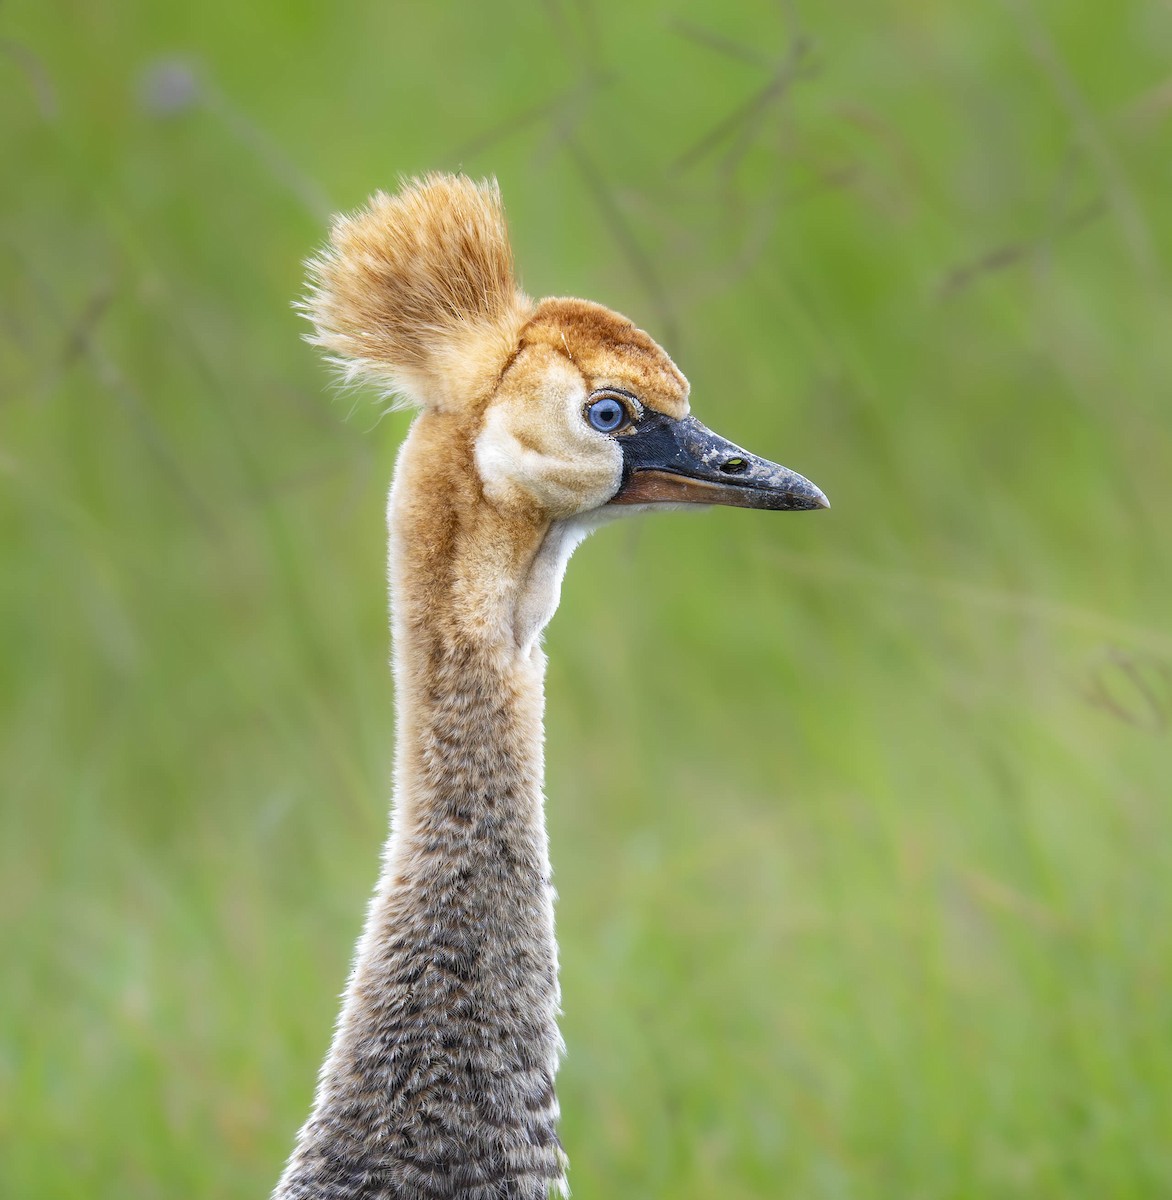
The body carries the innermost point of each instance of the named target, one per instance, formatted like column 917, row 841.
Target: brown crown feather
column 417, row 290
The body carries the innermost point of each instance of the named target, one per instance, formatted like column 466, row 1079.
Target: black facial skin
column 665, row 460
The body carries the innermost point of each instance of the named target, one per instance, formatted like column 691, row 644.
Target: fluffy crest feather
column 417, row 292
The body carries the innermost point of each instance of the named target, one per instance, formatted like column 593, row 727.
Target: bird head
column 564, row 407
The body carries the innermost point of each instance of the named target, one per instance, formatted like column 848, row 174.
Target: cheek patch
column 536, row 444
column 504, row 460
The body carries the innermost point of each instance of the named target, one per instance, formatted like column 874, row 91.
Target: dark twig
column 1146, row 676
column 1014, row 253
column 616, row 221
column 794, row 65
column 566, row 107
column 720, row 44
column 79, row 344
column 505, row 129
column 37, row 74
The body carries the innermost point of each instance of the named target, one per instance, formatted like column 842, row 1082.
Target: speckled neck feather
column 440, row 1079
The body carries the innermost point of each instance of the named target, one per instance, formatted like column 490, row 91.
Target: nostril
column 733, row 466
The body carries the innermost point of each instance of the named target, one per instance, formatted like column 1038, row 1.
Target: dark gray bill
column 683, row 462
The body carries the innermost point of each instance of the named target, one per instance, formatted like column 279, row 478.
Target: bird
column 537, row 422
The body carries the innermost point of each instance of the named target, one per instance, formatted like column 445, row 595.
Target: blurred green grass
column 860, row 822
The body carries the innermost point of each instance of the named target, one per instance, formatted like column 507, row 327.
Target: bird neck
column 440, row 1080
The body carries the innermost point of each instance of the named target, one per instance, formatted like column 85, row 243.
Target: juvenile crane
column 538, row 422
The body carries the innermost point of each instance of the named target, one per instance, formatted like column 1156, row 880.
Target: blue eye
column 606, row 414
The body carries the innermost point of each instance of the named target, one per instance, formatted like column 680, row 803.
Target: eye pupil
column 606, row 414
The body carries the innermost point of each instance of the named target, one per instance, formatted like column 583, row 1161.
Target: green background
column 860, row 820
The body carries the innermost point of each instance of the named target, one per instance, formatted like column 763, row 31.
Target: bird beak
column 683, row 462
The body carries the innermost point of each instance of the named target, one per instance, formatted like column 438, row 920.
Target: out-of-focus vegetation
column 861, row 820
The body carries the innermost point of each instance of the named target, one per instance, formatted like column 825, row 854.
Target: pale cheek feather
column 570, row 473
